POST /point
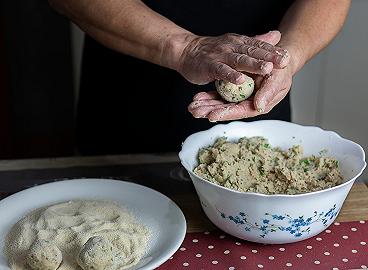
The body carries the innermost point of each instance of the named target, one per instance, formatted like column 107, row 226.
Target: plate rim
column 160, row 259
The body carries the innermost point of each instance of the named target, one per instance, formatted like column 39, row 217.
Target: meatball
column 44, row 255
column 235, row 93
column 96, row 254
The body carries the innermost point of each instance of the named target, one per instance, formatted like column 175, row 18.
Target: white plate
column 160, row 214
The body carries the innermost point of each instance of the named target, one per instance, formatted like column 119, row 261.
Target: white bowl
column 274, row 219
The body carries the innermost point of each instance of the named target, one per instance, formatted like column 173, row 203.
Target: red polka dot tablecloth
column 341, row 246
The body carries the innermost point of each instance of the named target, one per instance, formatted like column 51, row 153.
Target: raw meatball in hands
column 270, row 90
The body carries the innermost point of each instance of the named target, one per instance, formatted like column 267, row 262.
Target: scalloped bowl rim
column 241, row 193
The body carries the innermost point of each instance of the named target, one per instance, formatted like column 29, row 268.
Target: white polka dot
column 222, row 236
column 195, row 240
column 361, row 221
column 354, row 251
column 214, row 262
column 282, row 249
column 198, row 255
column 227, row 251
column 317, row 262
column 335, row 268
column 237, row 243
column 345, row 260
column 309, row 247
column 260, row 266
column 231, row 268
column 210, row 247
column 183, row 249
column 327, row 253
column 363, row 266
column 319, row 239
column 363, row 243
column 345, row 237
column 185, row 264
column 271, row 258
column 170, row 258
column 299, row 255
column 327, row 231
column 254, row 251
column 206, row 232
column 336, row 245
column 289, row 264
column 243, row 257
column 337, row 223
column 354, row 229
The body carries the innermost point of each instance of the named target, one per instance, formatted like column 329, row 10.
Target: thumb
column 272, row 37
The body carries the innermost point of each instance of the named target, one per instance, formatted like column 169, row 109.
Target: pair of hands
column 227, row 57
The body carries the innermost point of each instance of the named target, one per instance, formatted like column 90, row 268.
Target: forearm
column 309, row 26
column 130, row 27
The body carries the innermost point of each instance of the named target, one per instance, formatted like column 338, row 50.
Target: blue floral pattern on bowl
column 296, row 226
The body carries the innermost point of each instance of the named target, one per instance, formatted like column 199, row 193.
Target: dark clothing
column 128, row 105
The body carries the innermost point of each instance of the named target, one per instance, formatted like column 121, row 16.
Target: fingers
column 207, row 102
column 258, row 81
column 202, row 112
column 270, row 88
column 266, row 93
column 272, row 37
column 235, row 111
column 276, row 100
column 264, row 51
column 243, row 62
column 221, row 71
column 206, row 95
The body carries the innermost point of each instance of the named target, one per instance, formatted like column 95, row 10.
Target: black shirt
column 127, row 105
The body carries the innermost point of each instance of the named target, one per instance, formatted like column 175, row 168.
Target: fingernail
column 240, row 79
column 261, row 105
column 266, row 67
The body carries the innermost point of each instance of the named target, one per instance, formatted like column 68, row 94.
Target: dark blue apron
column 127, row 105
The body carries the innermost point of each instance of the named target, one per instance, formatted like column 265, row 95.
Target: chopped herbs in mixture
column 252, row 165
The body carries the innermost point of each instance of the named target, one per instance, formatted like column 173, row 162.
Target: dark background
column 36, row 81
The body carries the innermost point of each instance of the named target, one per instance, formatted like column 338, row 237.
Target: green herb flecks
column 305, row 162
column 336, row 162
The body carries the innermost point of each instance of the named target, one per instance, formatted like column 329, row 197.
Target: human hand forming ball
column 235, row 101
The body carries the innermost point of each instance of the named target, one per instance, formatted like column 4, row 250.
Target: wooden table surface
column 161, row 172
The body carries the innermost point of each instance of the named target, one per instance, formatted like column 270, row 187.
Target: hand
column 225, row 57
column 271, row 90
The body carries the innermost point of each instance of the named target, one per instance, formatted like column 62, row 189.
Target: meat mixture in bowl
column 252, row 165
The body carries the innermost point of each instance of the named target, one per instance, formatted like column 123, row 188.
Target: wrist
column 173, row 47
column 297, row 56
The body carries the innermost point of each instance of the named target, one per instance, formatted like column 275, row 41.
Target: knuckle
column 230, row 36
column 267, row 55
column 247, row 39
column 252, row 50
column 233, row 38
column 220, row 69
column 256, row 42
column 237, row 60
